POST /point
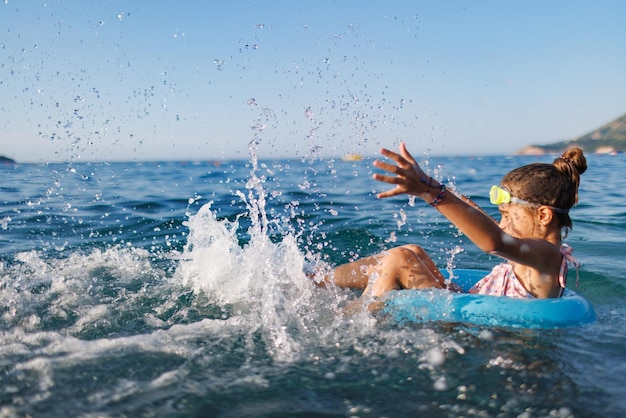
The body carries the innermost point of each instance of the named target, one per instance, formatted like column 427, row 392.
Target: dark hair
column 553, row 184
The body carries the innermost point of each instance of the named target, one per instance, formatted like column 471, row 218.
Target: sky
column 158, row 80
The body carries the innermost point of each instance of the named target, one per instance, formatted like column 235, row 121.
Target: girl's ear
column 544, row 215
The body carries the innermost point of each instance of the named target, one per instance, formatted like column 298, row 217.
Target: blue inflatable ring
column 428, row 305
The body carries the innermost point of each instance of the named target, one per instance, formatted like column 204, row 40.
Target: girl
column 534, row 201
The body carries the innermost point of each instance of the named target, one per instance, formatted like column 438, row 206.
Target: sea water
column 178, row 289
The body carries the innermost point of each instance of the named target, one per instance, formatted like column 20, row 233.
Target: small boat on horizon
column 352, row 157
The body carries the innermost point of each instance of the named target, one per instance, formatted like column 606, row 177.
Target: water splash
column 262, row 282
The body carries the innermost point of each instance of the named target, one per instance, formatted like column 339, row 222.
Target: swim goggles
column 500, row 196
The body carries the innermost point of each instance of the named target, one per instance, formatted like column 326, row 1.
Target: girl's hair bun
column 572, row 164
column 575, row 158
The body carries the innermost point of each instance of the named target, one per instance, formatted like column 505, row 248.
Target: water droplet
column 440, row 384
column 4, row 222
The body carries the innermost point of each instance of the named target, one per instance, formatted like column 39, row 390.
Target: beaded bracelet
column 437, row 200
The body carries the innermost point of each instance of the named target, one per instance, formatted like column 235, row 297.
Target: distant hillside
column 6, row 160
column 608, row 139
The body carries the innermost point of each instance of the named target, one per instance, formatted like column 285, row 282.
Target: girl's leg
column 355, row 275
column 406, row 267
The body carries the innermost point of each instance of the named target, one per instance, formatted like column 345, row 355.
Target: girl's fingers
column 406, row 154
column 399, row 159
column 390, row 193
column 392, row 168
column 387, row 152
column 404, row 169
column 388, row 179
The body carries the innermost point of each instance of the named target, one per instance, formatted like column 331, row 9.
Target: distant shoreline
column 608, row 139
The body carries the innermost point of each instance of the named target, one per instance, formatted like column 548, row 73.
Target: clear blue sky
column 160, row 80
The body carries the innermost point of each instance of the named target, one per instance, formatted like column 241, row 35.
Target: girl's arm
column 479, row 227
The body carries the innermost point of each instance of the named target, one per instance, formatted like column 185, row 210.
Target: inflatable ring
column 428, row 305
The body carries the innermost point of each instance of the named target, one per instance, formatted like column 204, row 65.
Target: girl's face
column 517, row 220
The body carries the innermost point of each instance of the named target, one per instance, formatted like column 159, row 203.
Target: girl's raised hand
column 409, row 177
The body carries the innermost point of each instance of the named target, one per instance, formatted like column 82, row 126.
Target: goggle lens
column 499, row 196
